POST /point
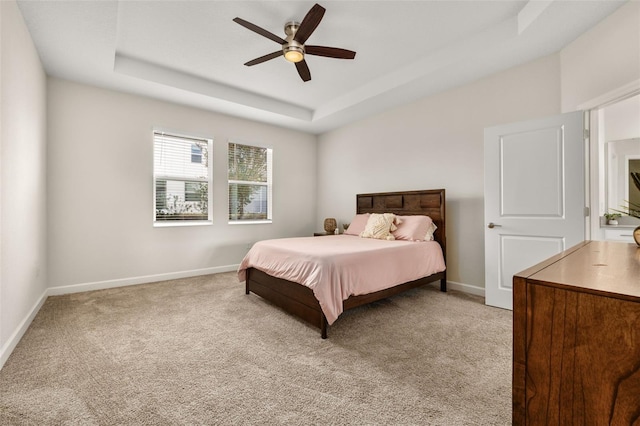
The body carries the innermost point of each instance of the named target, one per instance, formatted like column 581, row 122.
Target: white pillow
column 430, row 231
column 380, row 226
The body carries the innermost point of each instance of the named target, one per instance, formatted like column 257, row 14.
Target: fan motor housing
column 291, row 27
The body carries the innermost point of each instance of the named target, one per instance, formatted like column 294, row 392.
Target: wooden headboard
column 429, row 202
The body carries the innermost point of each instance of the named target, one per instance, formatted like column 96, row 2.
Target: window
column 181, row 174
column 249, row 183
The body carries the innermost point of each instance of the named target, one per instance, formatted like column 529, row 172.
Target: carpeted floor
column 200, row 351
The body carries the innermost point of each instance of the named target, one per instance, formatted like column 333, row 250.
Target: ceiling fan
column 293, row 47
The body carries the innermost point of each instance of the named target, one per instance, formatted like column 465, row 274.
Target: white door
column 534, row 205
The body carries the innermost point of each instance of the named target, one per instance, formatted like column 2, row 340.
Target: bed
column 300, row 300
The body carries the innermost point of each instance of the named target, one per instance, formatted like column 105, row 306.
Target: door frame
column 595, row 152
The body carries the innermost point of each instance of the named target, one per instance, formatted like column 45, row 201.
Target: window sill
column 178, row 223
column 249, row 222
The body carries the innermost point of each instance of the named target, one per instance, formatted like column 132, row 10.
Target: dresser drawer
column 619, row 234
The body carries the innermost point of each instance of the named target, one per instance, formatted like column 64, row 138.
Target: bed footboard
column 294, row 298
column 299, row 300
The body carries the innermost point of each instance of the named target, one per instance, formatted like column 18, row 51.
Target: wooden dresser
column 576, row 338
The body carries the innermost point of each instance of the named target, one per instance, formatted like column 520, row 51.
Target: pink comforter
column 338, row 266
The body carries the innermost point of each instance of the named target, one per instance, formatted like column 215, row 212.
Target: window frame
column 268, row 184
column 191, row 139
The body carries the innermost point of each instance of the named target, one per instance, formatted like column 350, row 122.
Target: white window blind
column 181, row 179
column 250, row 185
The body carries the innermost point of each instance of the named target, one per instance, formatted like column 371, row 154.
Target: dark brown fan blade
column 309, row 23
column 264, row 58
column 258, row 30
column 303, row 70
column 330, row 52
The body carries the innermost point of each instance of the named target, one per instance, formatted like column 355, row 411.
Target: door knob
column 492, row 225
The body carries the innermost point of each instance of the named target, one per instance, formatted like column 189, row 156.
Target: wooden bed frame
column 300, row 301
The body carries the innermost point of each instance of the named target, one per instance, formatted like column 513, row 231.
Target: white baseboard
column 11, row 344
column 101, row 285
column 466, row 288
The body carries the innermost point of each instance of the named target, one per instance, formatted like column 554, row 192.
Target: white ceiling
column 191, row 52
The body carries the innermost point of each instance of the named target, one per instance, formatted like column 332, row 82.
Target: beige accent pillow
column 380, row 226
column 430, row 232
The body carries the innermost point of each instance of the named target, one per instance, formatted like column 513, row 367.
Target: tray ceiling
column 191, row 52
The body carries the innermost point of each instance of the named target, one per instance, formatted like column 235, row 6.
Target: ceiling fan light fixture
column 293, row 54
column 293, row 47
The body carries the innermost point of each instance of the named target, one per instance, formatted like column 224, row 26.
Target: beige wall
column 603, row 59
column 101, row 191
column 22, row 179
column 436, row 142
column 622, row 120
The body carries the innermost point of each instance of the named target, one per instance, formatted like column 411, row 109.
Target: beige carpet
column 200, row 351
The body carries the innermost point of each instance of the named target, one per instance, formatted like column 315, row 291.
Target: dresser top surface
column 599, row 266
